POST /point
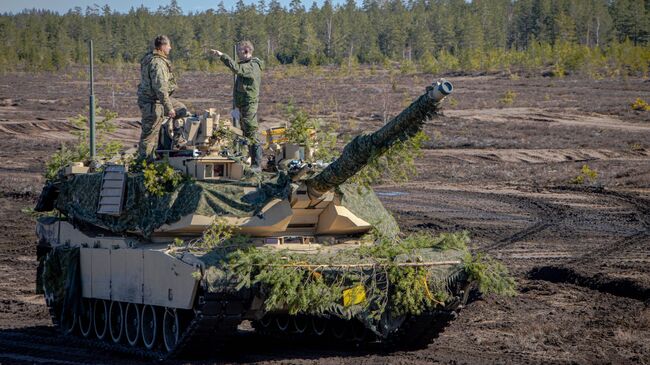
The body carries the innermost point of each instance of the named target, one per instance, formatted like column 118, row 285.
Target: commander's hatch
column 111, row 196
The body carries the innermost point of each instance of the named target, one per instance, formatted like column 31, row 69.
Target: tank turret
column 362, row 148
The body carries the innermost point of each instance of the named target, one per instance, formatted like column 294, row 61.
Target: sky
column 62, row 6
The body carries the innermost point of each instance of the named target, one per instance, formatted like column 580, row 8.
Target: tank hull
column 145, row 290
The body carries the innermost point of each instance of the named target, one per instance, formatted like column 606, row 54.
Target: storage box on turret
column 76, row 168
column 214, row 168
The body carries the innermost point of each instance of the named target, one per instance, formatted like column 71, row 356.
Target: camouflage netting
column 62, row 281
column 144, row 212
column 363, row 202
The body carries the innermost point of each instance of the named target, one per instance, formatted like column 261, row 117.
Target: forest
column 599, row 38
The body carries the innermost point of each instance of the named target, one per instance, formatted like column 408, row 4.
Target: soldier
column 246, row 92
column 157, row 84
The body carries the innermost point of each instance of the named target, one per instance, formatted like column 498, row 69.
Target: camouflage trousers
column 248, row 119
column 153, row 115
column 249, row 126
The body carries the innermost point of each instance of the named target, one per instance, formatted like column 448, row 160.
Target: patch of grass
column 508, row 97
column 636, row 147
column 586, row 174
column 640, row 105
column 407, row 68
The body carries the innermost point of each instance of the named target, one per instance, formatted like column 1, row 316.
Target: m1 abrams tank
column 113, row 271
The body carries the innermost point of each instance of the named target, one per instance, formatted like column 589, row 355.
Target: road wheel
column 100, row 318
column 116, row 321
column 359, row 331
column 339, row 328
column 319, row 325
column 149, row 326
column 282, row 322
column 265, row 321
column 132, row 323
column 300, row 324
column 86, row 317
column 171, row 329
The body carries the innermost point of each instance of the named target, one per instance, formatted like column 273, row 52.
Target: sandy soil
column 581, row 254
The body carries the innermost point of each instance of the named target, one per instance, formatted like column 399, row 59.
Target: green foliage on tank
column 387, row 277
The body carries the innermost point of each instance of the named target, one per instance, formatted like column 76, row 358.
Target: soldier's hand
column 216, row 52
column 172, row 113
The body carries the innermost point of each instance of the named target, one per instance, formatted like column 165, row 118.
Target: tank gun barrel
column 362, row 148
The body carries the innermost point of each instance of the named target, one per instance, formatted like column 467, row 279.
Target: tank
column 299, row 250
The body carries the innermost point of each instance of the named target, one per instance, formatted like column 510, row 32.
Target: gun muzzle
column 440, row 90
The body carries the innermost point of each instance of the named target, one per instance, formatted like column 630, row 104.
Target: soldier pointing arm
column 248, row 73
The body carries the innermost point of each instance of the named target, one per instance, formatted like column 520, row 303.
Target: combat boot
column 255, row 153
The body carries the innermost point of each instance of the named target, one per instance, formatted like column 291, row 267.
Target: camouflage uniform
column 246, row 94
column 157, row 84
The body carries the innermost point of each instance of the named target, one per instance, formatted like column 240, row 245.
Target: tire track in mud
column 62, row 129
column 534, row 156
column 544, row 215
column 531, row 115
column 620, row 286
column 548, row 215
column 641, row 209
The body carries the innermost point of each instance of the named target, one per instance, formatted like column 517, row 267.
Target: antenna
column 91, row 116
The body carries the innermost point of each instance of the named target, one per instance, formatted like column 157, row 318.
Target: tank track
column 335, row 330
column 416, row 331
column 215, row 319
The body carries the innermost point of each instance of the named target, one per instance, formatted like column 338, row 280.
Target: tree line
column 435, row 35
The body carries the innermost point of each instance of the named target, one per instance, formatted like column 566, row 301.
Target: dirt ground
column 499, row 169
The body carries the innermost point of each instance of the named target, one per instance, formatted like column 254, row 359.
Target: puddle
column 391, row 193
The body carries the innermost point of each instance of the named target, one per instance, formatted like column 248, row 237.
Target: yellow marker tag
column 354, row 295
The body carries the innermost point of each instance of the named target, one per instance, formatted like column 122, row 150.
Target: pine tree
column 442, row 31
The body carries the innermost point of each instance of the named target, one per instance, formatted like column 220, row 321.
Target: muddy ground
column 498, row 168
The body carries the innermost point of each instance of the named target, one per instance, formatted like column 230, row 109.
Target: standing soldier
column 157, row 84
column 246, row 93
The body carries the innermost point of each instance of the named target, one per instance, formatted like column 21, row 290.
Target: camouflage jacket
column 157, row 80
column 247, row 82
